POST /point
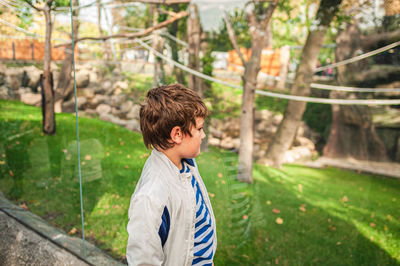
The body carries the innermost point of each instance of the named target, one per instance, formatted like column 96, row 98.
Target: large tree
column 258, row 14
column 64, row 90
column 286, row 132
column 352, row 132
column 49, row 123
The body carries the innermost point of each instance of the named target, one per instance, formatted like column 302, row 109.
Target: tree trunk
column 258, row 18
column 64, row 90
column 158, row 45
column 49, row 125
column 104, row 44
column 284, row 60
column 286, row 132
column 194, row 34
column 352, row 131
column 173, row 30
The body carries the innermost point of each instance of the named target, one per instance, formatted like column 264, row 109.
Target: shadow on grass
column 281, row 225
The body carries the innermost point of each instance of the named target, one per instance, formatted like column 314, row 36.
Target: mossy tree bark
column 287, row 129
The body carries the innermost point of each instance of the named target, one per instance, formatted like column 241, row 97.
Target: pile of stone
column 107, row 98
column 226, row 134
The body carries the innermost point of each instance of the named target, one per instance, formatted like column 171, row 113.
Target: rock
column 132, row 125
column 397, row 157
column 263, row 115
column 103, row 109
column 99, row 99
column 119, row 87
column 126, row 106
column 23, row 90
column 106, row 86
column 117, row 100
column 231, row 127
column 31, row 98
column 214, row 141
column 14, row 77
column 297, row 154
column 3, row 70
column 81, row 102
column 82, row 79
column 276, row 119
column 88, row 92
column 215, row 132
column 230, row 143
column 113, row 119
column 4, row 93
column 134, row 112
column 304, row 142
column 216, row 124
column 33, row 75
column 69, row 106
column 90, row 113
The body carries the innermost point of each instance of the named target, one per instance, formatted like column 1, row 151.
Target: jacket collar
column 164, row 158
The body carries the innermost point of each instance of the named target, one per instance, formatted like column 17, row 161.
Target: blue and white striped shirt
column 203, row 236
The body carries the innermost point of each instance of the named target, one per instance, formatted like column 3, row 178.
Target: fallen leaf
column 393, row 199
column 212, row 195
column 88, row 157
column 23, row 205
column 3, row 155
column 302, row 208
column 372, row 224
column 345, row 199
column 266, row 239
column 300, row 186
column 219, row 174
column 126, row 167
column 122, row 143
column 83, row 163
column 245, row 217
column 128, row 156
column 17, row 142
column 276, row 261
column 72, row 231
column 223, row 182
column 329, row 220
column 338, row 243
column 64, row 151
column 268, row 202
column 245, row 256
column 361, row 189
column 372, row 215
column 372, row 238
column 2, row 162
column 276, row 210
column 385, row 227
column 11, row 173
column 389, row 217
column 107, row 154
column 279, row 220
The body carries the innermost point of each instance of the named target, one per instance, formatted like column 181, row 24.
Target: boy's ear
column 176, row 135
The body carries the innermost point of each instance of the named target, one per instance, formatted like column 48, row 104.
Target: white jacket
column 162, row 185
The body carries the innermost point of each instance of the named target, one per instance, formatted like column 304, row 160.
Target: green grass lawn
column 293, row 216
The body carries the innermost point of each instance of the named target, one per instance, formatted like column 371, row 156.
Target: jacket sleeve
column 144, row 243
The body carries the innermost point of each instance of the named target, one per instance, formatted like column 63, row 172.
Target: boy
column 171, row 221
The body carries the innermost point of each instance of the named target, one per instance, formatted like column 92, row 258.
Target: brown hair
column 166, row 107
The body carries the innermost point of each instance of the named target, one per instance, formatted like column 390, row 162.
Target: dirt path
column 377, row 168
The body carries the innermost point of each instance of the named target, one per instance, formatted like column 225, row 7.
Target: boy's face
column 190, row 145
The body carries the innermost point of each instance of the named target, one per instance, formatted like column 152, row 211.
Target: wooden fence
column 270, row 60
column 28, row 49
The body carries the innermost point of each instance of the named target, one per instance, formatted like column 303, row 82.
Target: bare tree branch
column 136, row 34
column 232, row 37
column 163, row 11
column 34, row 7
column 269, row 12
column 164, row 2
